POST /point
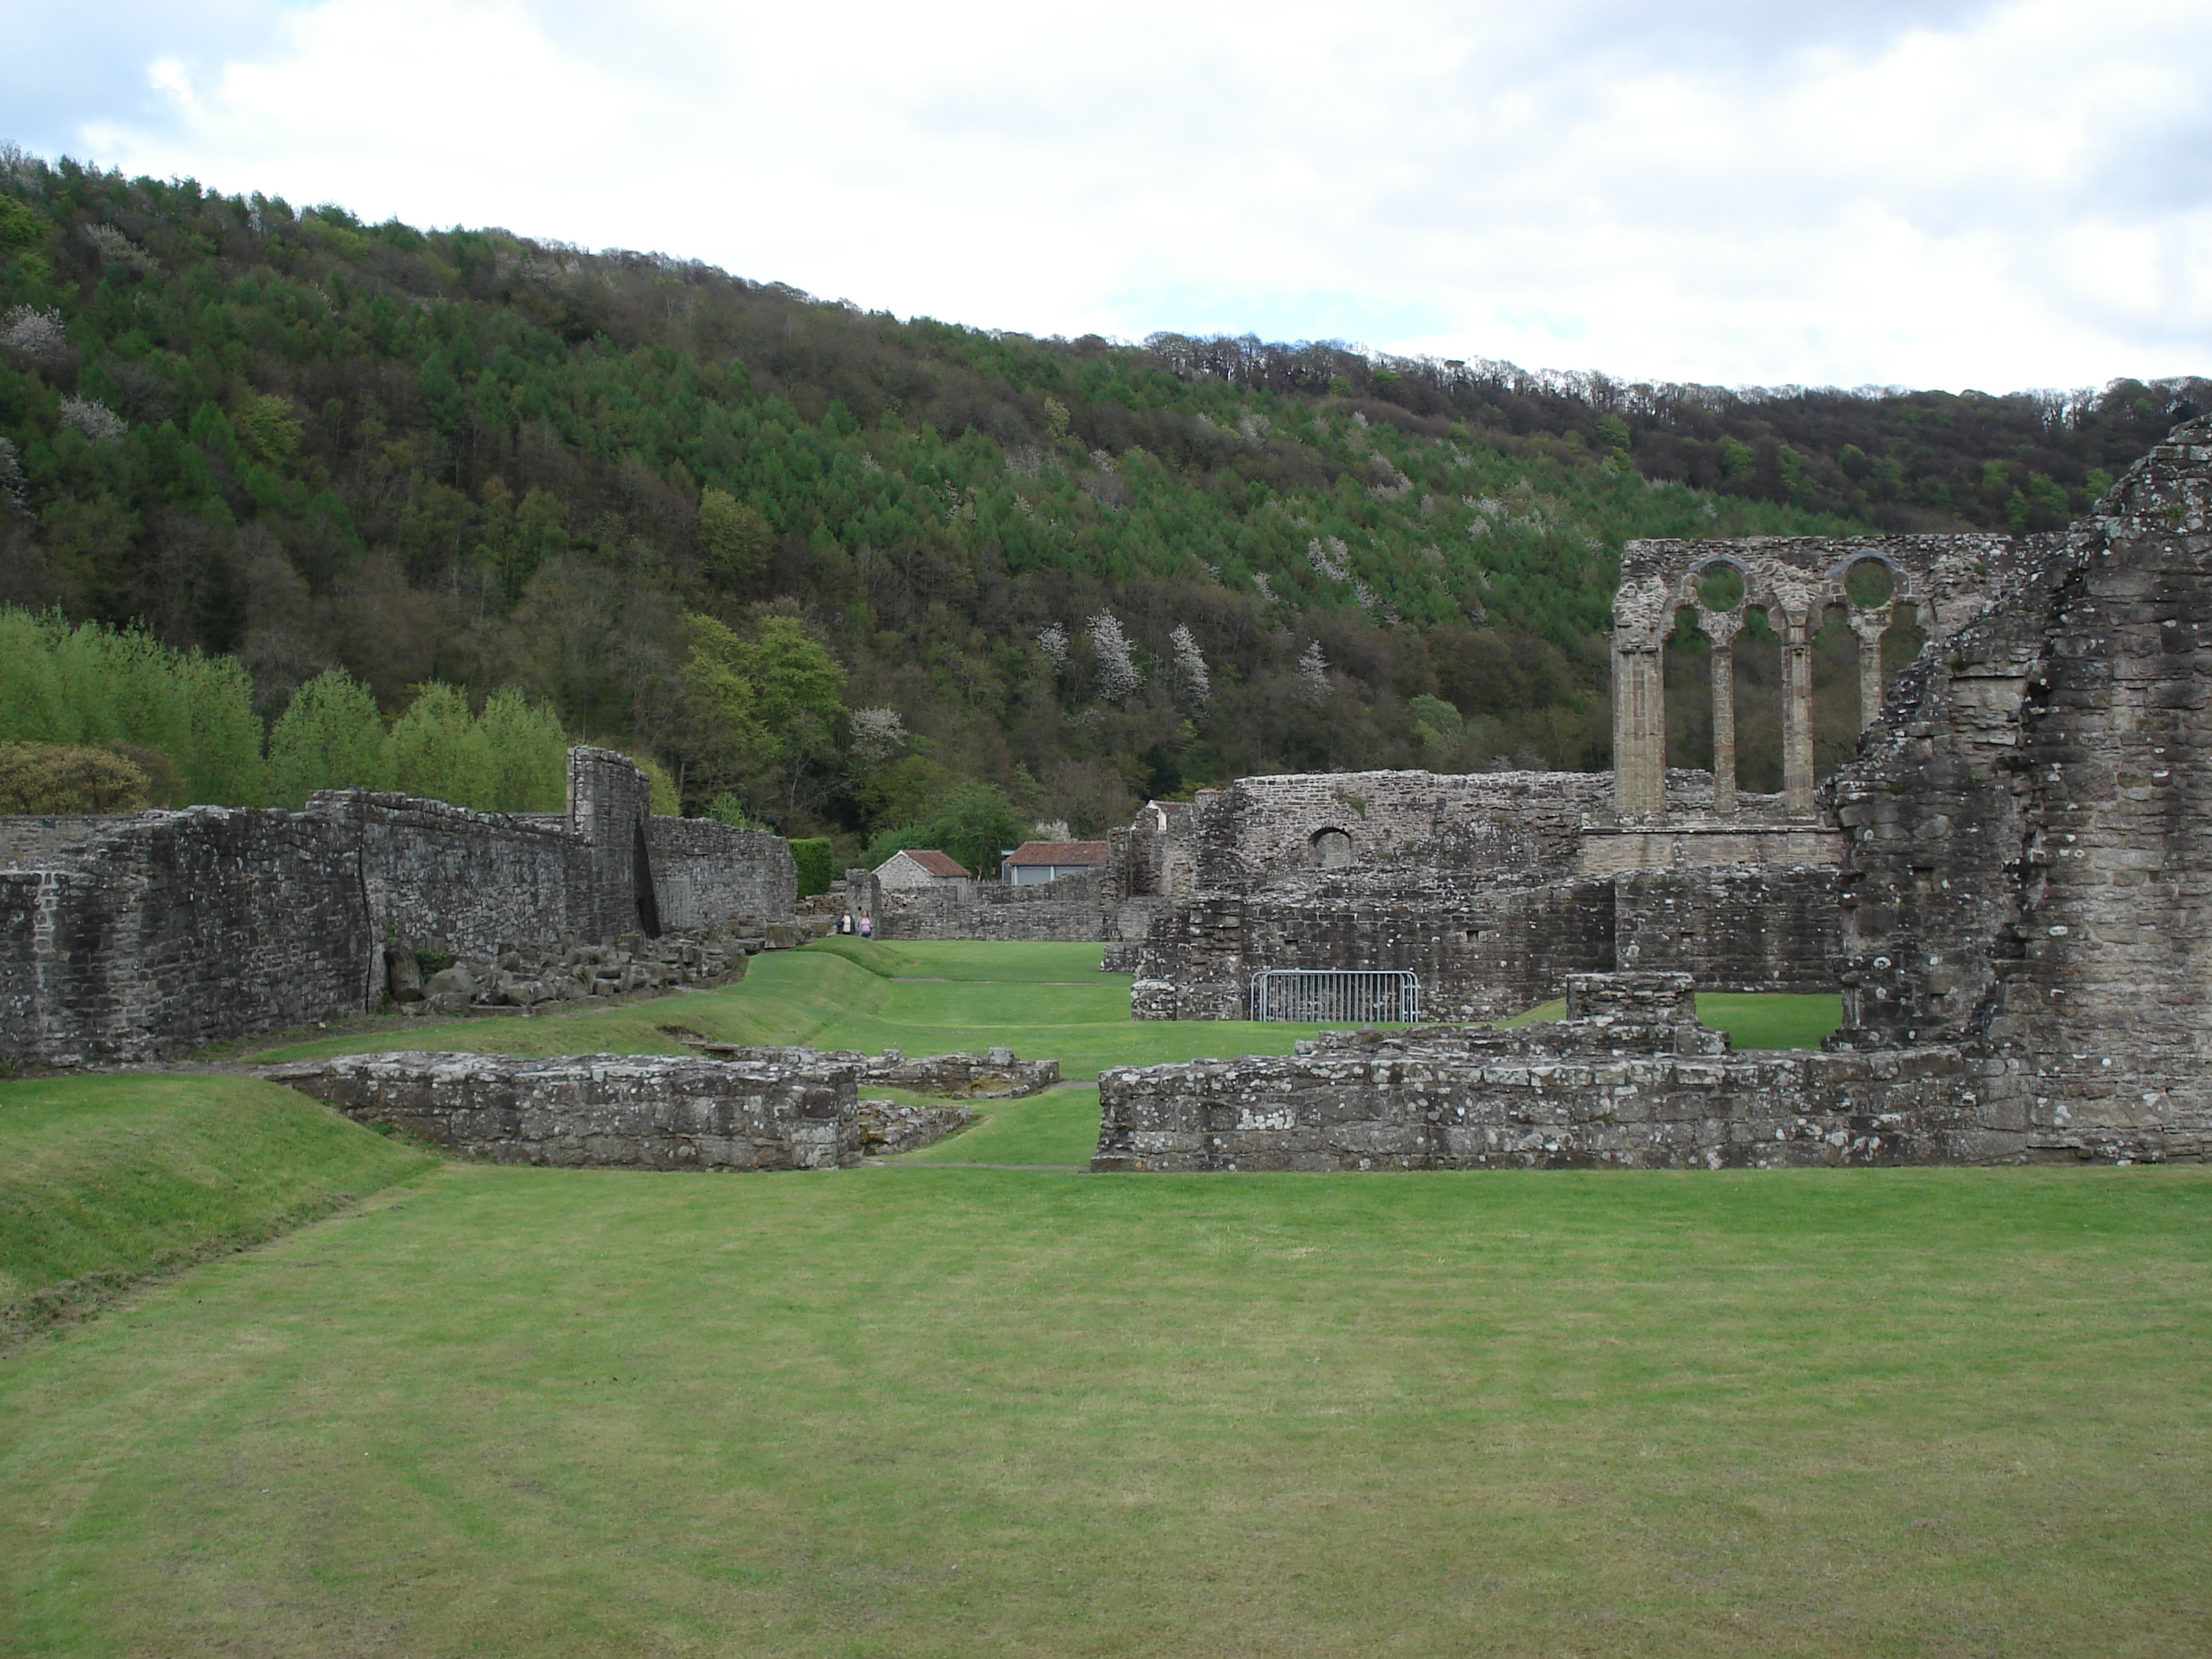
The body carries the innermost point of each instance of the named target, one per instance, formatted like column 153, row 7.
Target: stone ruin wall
column 705, row 874
column 2023, row 912
column 1627, row 1086
column 172, row 929
column 1731, row 927
column 2030, row 868
column 1482, row 884
column 150, row 935
column 1073, row 907
column 799, row 1111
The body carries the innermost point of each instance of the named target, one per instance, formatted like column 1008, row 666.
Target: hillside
column 643, row 490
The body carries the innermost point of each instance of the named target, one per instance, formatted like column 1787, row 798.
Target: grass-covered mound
column 943, row 1411
column 104, row 1180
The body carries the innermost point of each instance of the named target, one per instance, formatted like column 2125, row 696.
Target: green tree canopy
column 329, row 737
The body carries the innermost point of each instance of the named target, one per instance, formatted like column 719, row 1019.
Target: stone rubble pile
column 514, row 979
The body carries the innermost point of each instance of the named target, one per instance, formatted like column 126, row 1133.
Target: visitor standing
column 867, row 925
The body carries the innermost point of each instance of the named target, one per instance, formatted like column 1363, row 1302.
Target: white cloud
column 1998, row 194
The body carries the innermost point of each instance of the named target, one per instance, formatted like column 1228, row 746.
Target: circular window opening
column 1869, row 583
column 1721, row 588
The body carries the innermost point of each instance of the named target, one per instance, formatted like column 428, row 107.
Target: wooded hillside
column 836, row 564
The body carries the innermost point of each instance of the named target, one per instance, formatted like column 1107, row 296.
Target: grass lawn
column 1044, row 1002
column 958, row 1412
column 922, row 1409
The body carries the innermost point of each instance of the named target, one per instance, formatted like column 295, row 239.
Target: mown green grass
column 919, row 1409
column 1057, row 1129
column 114, row 1176
column 950, row 1412
column 1044, row 1002
column 1752, row 1020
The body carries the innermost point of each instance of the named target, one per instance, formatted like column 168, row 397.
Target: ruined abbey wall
column 799, row 1111
column 150, row 934
column 1492, row 887
column 1574, row 1094
column 2030, row 868
column 2021, row 919
column 1074, row 908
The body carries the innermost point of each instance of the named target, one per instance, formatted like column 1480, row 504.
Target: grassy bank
column 944, row 1412
column 105, row 1179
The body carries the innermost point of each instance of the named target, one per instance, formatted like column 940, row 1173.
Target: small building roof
column 936, row 863
column 1068, row 853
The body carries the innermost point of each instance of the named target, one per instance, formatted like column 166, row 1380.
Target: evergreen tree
column 329, row 737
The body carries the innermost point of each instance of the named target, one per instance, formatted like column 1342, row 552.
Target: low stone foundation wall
column 995, row 1074
column 1073, row 908
column 1479, row 1098
column 1629, row 1080
column 647, row 1112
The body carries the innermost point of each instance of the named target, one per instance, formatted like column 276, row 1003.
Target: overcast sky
column 1944, row 193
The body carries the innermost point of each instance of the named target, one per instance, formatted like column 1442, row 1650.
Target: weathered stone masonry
column 2025, row 907
column 1623, row 1087
column 147, row 935
column 647, row 1112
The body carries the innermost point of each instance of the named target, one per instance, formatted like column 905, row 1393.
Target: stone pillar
column 1639, row 730
column 1720, row 629
column 609, row 804
column 1797, row 719
column 1870, row 624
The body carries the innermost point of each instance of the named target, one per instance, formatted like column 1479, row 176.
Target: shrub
column 817, row 865
column 48, row 777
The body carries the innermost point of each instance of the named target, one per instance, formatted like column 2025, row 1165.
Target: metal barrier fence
column 1332, row 995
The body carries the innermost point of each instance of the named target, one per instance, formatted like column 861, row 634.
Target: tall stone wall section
column 1481, row 954
column 1480, row 886
column 610, row 806
column 172, row 929
column 148, row 935
column 2031, row 863
column 464, row 882
column 704, row 872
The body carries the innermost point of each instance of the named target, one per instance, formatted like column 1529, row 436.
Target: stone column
column 1870, row 624
column 1797, row 719
column 1720, row 629
column 1639, row 730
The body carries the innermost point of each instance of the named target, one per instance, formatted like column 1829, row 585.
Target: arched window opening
column 1332, row 849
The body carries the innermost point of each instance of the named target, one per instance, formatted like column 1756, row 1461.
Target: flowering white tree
column 96, row 420
column 1331, row 558
column 1195, row 684
column 1313, row 671
column 1118, row 679
column 1052, row 639
column 33, row 334
column 877, row 734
